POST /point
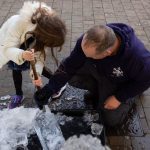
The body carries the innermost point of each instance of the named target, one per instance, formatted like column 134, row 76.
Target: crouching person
column 109, row 61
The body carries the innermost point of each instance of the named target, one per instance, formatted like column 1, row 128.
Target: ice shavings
column 15, row 125
column 84, row 142
column 62, row 119
column 89, row 118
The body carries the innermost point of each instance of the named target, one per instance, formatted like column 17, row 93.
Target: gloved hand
column 41, row 96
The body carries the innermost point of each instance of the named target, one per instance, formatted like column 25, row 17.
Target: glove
column 41, row 96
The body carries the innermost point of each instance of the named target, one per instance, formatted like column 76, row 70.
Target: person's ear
column 109, row 52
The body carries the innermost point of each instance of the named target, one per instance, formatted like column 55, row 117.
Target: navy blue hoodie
column 129, row 68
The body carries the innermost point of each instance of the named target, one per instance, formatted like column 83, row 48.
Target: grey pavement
column 80, row 15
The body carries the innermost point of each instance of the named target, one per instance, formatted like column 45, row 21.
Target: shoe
column 16, row 101
column 59, row 93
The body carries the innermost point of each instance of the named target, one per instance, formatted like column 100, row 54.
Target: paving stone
column 145, row 126
column 147, row 31
column 143, row 15
column 141, row 143
column 79, row 16
column 141, row 111
column 128, row 6
column 121, row 147
column 144, row 39
column 77, row 24
column 119, row 141
column 147, row 112
column 111, row 20
column 130, row 13
column 145, row 100
column 148, row 46
column 99, row 17
column 147, row 92
column 102, row 22
column 140, row 32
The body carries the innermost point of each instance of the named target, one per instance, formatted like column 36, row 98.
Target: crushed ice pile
column 84, row 142
column 17, row 124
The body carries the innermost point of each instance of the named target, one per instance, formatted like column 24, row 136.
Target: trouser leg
column 117, row 116
column 17, row 78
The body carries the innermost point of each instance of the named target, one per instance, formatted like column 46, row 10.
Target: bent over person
column 36, row 27
column 109, row 61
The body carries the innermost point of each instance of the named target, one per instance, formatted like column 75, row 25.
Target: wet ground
column 79, row 15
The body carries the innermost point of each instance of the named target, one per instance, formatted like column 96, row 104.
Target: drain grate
column 130, row 127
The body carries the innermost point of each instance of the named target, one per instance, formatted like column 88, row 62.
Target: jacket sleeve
column 12, row 41
column 138, row 83
column 67, row 68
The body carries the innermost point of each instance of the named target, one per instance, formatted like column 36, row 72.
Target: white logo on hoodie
column 117, row 72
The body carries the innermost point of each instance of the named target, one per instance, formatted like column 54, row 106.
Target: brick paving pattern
column 80, row 15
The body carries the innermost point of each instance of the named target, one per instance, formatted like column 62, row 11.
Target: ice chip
column 96, row 117
column 96, row 128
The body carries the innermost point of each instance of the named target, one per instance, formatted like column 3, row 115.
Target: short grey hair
column 103, row 36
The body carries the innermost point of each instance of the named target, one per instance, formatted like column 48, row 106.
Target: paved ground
column 79, row 15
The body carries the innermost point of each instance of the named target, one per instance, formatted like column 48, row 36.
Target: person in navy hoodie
column 109, row 61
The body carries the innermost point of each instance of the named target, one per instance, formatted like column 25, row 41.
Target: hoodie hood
column 126, row 34
column 123, row 30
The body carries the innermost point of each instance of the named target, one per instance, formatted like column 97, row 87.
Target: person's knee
column 111, row 122
column 115, row 117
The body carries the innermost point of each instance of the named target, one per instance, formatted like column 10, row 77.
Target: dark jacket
column 129, row 68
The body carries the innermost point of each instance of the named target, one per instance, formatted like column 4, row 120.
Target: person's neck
column 116, row 46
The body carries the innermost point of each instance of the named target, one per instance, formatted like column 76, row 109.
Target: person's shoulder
column 79, row 40
column 139, row 54
column 29, row 8
column 120, row 26
column 10, row 23
column 13, row 18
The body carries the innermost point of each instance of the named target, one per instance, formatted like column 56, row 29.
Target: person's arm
column 64, row 72
column 11, row 41
column 140, row 82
